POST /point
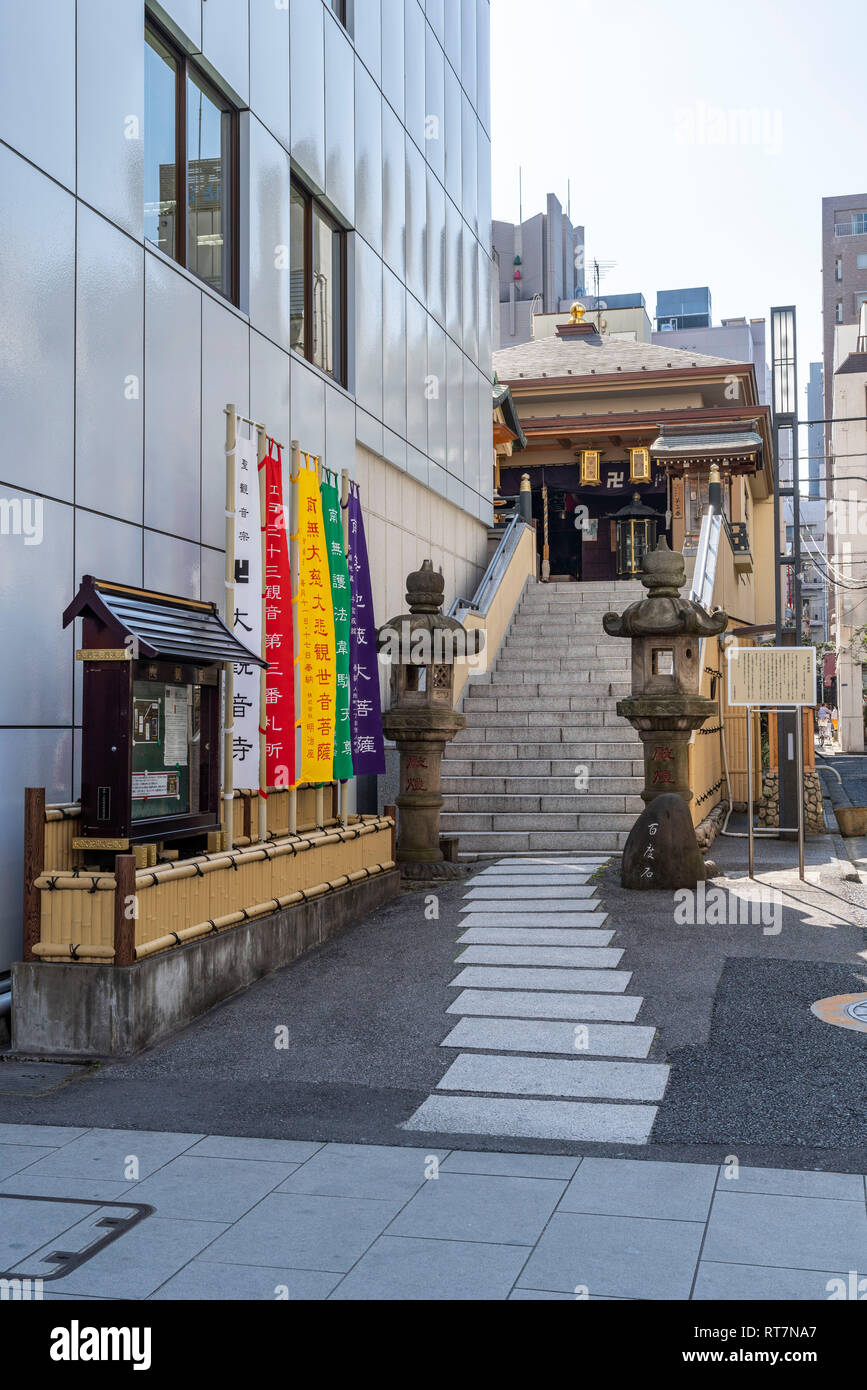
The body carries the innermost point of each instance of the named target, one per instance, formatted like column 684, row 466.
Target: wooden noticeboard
column 772, row 676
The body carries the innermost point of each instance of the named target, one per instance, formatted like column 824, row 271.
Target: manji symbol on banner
column 247, row 617
column 340, row 592
column 365, row 711
column 279, row 638
column 317, row 680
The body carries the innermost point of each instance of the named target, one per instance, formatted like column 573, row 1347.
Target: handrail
column 493, row 574
column 704, row 574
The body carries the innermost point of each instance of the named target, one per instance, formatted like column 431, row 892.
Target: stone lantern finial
column 425, row 589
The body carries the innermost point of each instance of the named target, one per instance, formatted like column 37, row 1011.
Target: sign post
column 774, row 678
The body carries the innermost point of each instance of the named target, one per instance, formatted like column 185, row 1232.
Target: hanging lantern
column 639, row 465
column 517, row 275
column 590, row 468
column 636, row 527
column 517, row 261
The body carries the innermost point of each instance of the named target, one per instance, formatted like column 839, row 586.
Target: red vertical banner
column 279, row 640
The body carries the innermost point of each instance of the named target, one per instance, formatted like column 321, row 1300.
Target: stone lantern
column 665, row 705
column 423, row 647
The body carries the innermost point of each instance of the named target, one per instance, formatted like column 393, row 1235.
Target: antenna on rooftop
column 599, row 269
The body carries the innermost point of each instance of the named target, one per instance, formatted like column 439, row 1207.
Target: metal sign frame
column 734, row 653
column 799, row 766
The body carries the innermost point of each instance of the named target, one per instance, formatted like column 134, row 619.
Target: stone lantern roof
column 664, row 612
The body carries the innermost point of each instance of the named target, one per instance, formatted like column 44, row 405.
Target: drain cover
column 48, row 1237
column 843, row 1010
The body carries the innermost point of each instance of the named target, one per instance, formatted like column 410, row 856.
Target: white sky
column 625, row 98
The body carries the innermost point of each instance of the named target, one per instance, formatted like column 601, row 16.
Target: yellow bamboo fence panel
column 186, row 899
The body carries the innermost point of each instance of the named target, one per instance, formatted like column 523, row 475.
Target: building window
column 862, row 260
column 838, row 269
column 191, row 166
column 317, row 286
column 339, row 8
column 838, row 311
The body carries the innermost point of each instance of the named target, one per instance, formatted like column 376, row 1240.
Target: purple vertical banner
column 365, row 711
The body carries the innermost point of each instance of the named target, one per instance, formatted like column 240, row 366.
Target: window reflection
column 208, row 187
column 160, row 210
column 298, row 208
column 326, row 294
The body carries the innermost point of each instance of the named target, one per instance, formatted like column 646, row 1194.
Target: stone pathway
column 214, row 1217
column 548, row 1046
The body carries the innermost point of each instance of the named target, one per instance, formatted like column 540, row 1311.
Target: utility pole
column 784, row 376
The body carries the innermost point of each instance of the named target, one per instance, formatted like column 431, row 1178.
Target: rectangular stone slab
column 577, row 1121
column 533, row 936
column 502, row 1003
column 537, row 1035
column 524, row 886
column 488, row 916
column 521, row 891
column 556, row 1076
column 573, row 957
column 513, row 977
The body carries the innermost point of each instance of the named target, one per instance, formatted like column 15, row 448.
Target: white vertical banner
column 247, row 617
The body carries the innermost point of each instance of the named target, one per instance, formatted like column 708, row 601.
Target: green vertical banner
column 341, row 597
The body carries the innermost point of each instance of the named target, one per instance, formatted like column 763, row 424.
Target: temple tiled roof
column 599, row 356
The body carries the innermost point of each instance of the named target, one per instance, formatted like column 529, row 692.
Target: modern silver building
column 283, row 204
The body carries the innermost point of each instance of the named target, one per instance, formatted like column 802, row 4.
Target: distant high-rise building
column 816, row 433
column 541, row 263
column 844, row 280
column 683, row 308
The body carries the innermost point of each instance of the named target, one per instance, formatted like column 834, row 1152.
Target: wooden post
column 295, row 469
column 227, row 813
column 392, row 811
column 263, row 677
column 124, row 923
column 34, row 863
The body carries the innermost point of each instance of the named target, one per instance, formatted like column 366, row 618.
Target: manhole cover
column 843, row 1010
column 48, row 1237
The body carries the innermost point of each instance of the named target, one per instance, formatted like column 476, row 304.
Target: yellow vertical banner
column 317, row 668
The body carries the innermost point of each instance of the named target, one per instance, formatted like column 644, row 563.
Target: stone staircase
column 545, row 712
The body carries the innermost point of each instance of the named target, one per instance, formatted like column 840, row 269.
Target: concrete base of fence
column 89, row 1012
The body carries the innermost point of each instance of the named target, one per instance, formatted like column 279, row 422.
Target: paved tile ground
column 245, row 1218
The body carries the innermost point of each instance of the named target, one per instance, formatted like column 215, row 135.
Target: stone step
column 517, row 804
column 622, row 771
column 529, row 841
column 470, row 784
column 627, row 758
column 458, row 822
column 542, row 716
column 501, row 687
column 478, row 730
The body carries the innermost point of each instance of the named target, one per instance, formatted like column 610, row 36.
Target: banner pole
column 263, row 675
column 227, row 804
column 295, row 468
column 344, row 519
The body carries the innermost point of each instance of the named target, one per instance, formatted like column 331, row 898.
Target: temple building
column 620, row 439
